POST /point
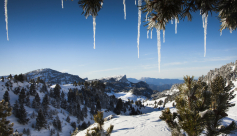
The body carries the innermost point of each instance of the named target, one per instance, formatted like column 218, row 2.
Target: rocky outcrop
column 228, row 72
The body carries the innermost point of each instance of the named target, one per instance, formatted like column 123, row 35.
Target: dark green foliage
column 2, row 79
column 45, row 102
column 5, row 111
column 119, row 106
column 68, row 119
column 10, row 76
column 32, row 89
column 41, row 122
column 98, row 106
column 57, row 124
column 22, row 118
column 83, row 126
column 6, row 97
column 28, row 132
column 22, row 96
column 74, row 125
column 16, row 109
column 200, row 108
column 37, row 98
column 56, row 91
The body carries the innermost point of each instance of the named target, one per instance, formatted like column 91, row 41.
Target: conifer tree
column 2, row 79
column 45, row 102
column 68, row 119
column 5, row 111
column 10, row 76
column 16, row 109
column 84, row 111
column 22, row 119
column 40, row 120
column 32, row 89
column 28, row 132
column 200, row 108
column 57, row 91
column 98, row 106
column 6, row 97
column 37, row 98
column 119, row 106
column 22, row 96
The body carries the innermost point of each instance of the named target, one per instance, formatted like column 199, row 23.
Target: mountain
column 53, row 77
column 116, row 84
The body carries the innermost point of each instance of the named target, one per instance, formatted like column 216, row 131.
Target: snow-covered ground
column 127, row 95
column 149, row 124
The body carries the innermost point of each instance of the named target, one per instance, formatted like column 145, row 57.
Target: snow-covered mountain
column 53, row 77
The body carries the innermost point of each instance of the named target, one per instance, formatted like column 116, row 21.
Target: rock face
column 53, row 77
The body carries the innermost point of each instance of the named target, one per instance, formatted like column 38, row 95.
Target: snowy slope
column 149, row 124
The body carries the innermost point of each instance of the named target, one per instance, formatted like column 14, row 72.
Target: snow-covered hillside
column 149, row 124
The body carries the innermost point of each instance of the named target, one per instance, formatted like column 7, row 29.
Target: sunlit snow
column 94, row 25
column 62, row 3
column 124, row 4
column 6, row 18
column 139, row 24
column 158, row 46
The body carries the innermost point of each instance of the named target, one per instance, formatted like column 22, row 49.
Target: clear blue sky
column 43, row 35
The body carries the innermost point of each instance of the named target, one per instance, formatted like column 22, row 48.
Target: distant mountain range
column 156, row 81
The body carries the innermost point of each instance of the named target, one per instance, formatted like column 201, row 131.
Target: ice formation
column 171, row 20
column 101, row 3
column 158, row 46
column 62, row 3
column 6, row 18
column 204, row 17
column 135, row 2
column 151, row 33
column 231, row 31
column 147, row 34
column 94, row 25
column 124, row 4
column 175, row 25
column 163, row 36
column 220, row 33
column 139, row 24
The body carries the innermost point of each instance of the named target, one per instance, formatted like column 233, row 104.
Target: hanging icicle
column 147, row 34
column 163, row 36
column 175, row 25
column 124, row 5
column 139, row 24
column 101, row 3
column 171, row 20
column 158, row 46
column 94, row 25
column 204, row 16
column 62, row 3
column 6, row 18
column 220, row 33
column 151, row 33
column 135, row 2
column 230, row 30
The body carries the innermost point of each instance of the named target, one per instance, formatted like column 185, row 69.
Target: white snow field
column 149, row 124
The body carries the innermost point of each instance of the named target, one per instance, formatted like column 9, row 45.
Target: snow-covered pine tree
column 84, row 111
column 22, row 118
column 2, row 79
column 68, row 119
column 32, row 89
column 16, row 109
column 22, row 96
column 5, row 111
column 6, row 97
column 45, row 102
column 41, row 122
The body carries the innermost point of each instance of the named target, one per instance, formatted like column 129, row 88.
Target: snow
column 117, row 77
column 124, row 4
column 6, row 18
column 94, row 25
column 139, row 24
column 158, row 47
column 62, row 3
column 232, row 68
column 127, row 95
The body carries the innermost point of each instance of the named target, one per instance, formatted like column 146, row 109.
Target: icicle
column 101, row 3
column 230, row 30
column 124, row 4
column 94, row 24
column 163, row 36
column 62, row 3
column 135, row 2
column 151, row 33
column 220, row 33
column 146, row 16
column 147, row 34
column 203, row 19
column 6, row 18
column 205, row 32
column 158, row 46
column 175, row 25
column 171, row 20
column 139, row 24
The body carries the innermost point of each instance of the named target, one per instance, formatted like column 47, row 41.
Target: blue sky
column 43, row 35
